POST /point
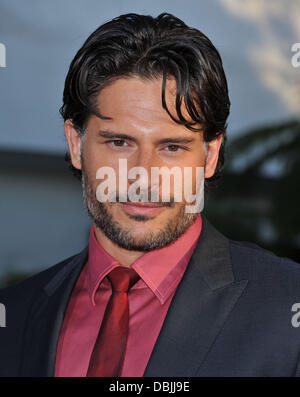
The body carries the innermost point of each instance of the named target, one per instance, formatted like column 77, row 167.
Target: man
column 158, row 291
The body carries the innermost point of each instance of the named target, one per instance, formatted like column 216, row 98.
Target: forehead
column 140, row 101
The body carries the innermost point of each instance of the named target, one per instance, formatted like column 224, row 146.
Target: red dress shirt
column 149, row 299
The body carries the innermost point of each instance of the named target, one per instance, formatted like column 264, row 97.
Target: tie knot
column 122, row 278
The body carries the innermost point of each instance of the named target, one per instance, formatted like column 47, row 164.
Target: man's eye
column 173, row 148
column 117, row 142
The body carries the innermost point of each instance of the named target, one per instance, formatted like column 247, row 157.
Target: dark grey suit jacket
column 230, row 316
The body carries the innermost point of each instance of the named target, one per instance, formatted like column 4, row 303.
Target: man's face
column 141, row 132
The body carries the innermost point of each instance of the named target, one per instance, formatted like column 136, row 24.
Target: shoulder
column 249, row 260
column 19, row 303
column 252, row 262
column 23, row 292
column 254, row 255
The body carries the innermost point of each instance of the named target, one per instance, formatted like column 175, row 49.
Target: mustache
column 143, row 199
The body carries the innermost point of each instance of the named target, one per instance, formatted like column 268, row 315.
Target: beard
column 123, row 236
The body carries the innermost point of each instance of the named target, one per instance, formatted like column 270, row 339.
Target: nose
column 140, row 166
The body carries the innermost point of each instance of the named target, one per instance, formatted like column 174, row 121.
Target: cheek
column 95, row 157
column 193, row 180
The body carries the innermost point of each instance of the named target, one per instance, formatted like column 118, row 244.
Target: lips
column 142, row 208
column 140, row 204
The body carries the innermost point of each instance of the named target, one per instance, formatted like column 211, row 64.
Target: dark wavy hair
column 140, row 45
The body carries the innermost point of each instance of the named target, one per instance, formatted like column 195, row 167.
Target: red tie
column 108, row 353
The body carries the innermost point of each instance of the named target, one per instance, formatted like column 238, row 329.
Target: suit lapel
column 202, row 302
column 45, row 320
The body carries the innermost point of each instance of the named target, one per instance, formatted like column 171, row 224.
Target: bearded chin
column 124, row 236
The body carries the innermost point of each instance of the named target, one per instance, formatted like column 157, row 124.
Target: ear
column 212, row 156
column 74, row 143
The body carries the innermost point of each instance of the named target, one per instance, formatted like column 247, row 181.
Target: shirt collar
column 160, row 269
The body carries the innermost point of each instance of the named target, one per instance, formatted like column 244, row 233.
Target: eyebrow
column 112, row 134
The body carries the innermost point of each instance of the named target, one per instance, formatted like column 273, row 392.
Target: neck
column 123, row 256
